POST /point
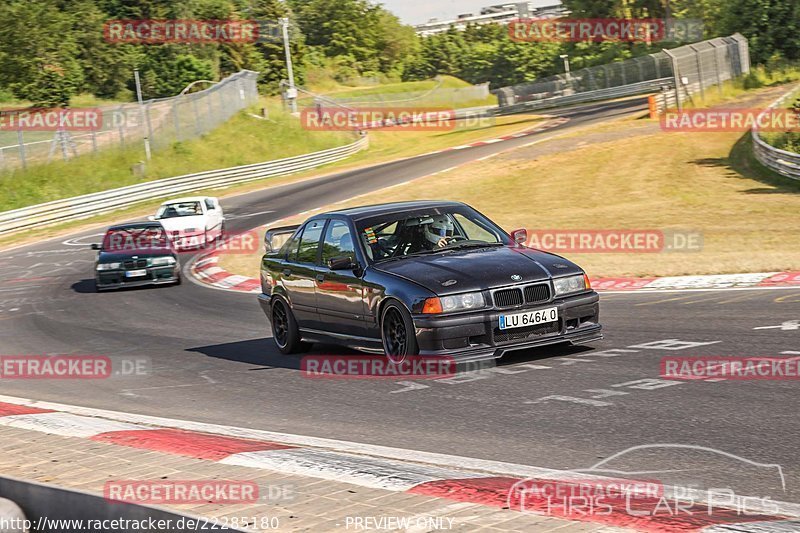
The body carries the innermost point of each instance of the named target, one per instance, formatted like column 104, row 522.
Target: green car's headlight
column 570, row 284
column 109, row 266
column 162, row 261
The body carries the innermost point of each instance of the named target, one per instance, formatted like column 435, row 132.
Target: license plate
column 135, row 273
column 529, row 318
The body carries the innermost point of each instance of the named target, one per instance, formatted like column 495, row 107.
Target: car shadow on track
column 255, row 352
column 83, row 286
column 264, row 353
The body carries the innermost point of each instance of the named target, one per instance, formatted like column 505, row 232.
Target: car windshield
column 180, row 209
column 438, row 230
column 135, row 239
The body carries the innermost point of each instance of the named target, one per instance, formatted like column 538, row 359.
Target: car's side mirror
column 95, row 246
column 341, row 263
column 519, row 236
column 151, row 218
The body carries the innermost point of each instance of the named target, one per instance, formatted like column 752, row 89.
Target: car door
column 299, row 274
column 340, row 293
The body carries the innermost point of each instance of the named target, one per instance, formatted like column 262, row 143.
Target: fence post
column 21, row 144
column 699, row 71
column 123, row 119
column 677, row 77
column 176, row 119
column 147, row 120
column 716, row 66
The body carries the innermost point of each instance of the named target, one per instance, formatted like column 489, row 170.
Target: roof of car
column 136, row 225
column 185, row 199
column 366, row 211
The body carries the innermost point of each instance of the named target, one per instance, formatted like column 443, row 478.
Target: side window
column 209, row 204
column 338, row 242
column 309, row 242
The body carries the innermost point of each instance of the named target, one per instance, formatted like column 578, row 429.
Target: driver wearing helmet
column 438, row 233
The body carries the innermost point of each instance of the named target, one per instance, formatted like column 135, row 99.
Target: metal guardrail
column 89, row 205
column 781, row 161
column 631, row 89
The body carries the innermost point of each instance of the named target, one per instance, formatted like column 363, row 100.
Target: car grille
column 508, row 297
column 535, row 294
column 527, row 332
column 135, row 263
column 532, row 294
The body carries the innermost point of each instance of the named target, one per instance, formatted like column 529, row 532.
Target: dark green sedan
column 134, row 254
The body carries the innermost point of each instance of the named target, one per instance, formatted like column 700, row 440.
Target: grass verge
column 706, row 182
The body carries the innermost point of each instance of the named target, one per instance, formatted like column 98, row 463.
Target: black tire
column 285, row 332
column 397, row 332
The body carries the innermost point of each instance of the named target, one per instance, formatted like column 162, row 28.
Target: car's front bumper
column 477, row 336
column 116, row 279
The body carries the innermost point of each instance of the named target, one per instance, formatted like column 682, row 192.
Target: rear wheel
column 397, row 333
column 285, row 330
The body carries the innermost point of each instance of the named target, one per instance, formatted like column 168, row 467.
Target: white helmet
column 441, row 226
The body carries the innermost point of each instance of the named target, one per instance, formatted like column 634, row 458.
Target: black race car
column 427, row 278
column 137, row 253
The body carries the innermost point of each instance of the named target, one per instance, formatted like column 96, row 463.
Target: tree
column 38, row 52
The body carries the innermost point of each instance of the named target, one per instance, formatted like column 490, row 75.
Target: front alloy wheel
column 397, row 333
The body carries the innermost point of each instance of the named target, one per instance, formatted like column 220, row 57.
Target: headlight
column 457, row 302
column 162, row 261
column 109, row 266
column 570, row 284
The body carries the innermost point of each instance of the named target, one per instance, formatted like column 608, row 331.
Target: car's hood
column 198, row 222
column 468, row 270
column 122, row 255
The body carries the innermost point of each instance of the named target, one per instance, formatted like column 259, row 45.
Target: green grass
column 242, row 140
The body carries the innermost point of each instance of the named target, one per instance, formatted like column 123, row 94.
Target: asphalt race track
column 211, row 359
